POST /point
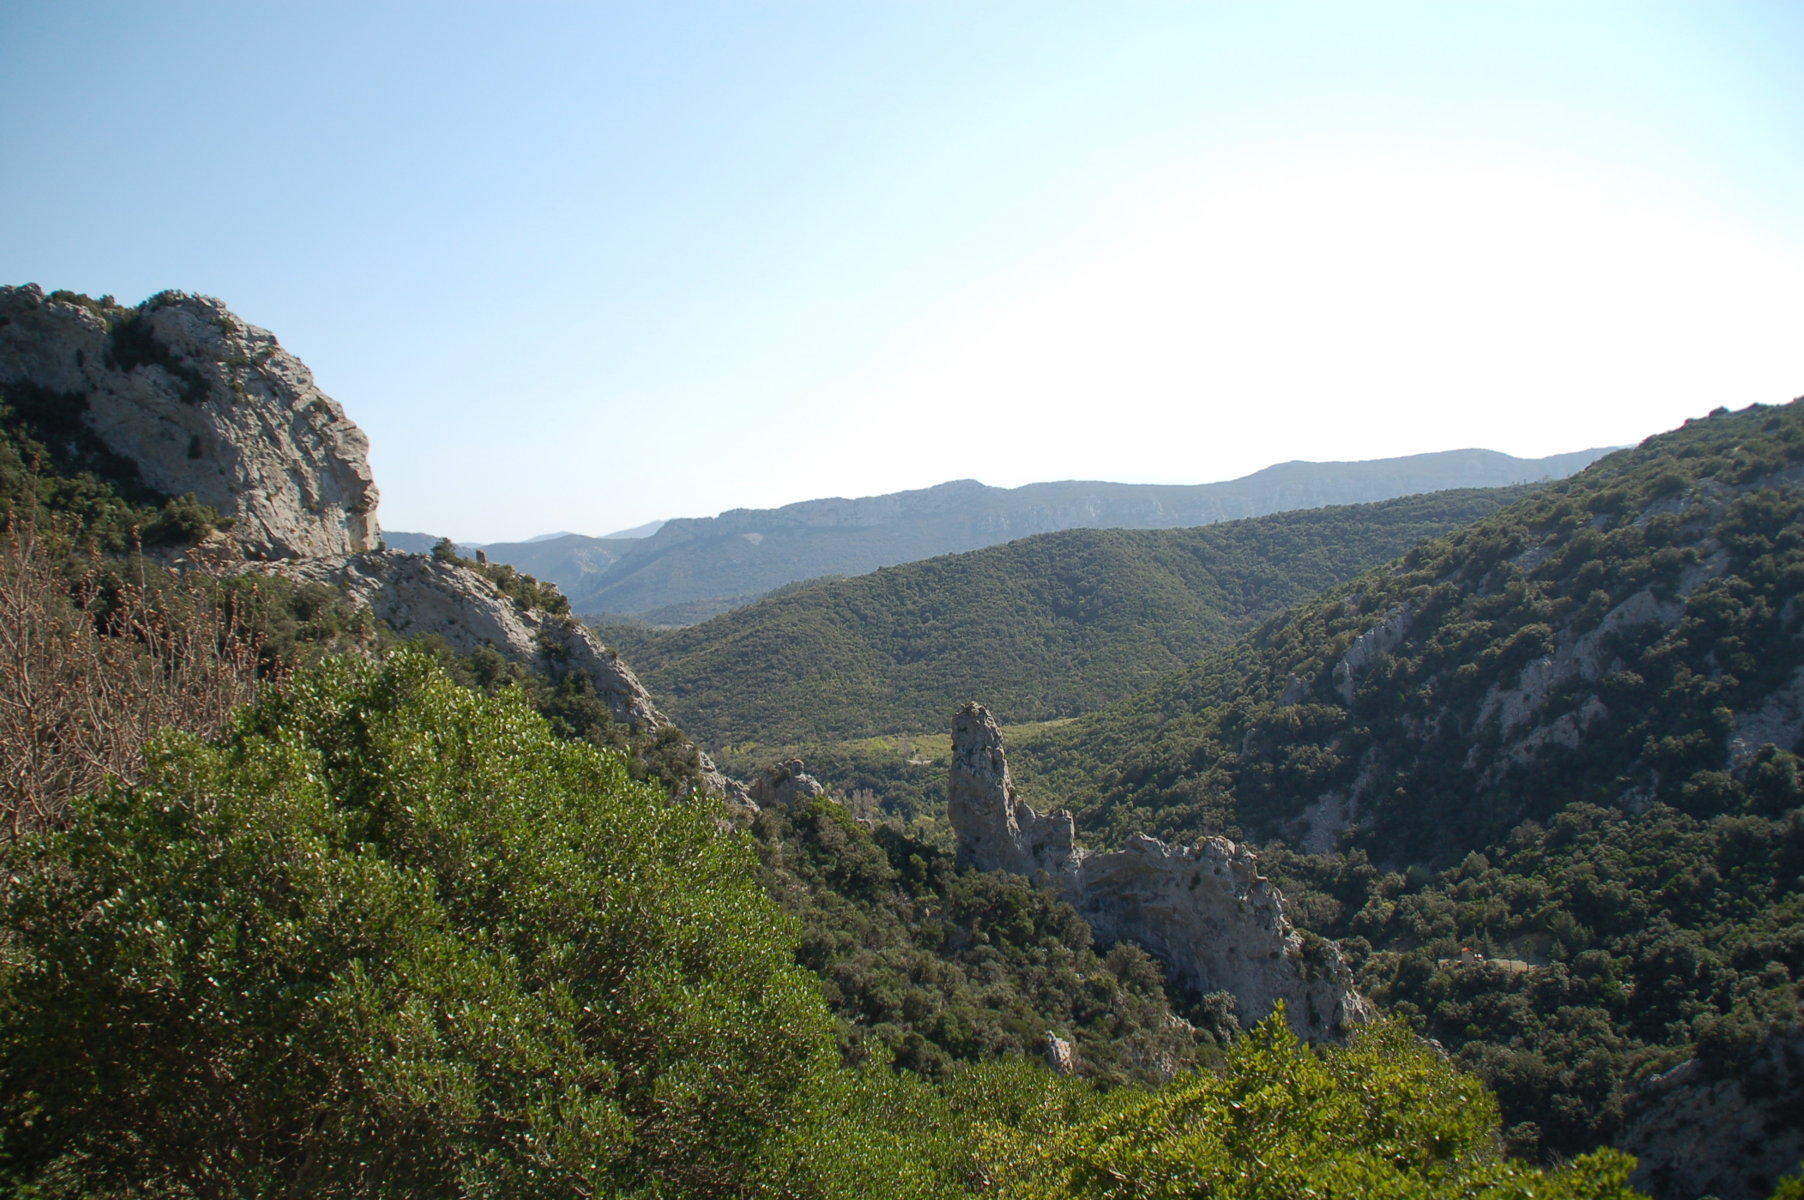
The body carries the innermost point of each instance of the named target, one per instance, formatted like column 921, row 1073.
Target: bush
column 392, row 938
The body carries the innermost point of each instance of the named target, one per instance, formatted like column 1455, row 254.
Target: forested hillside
column 1566, row 737
column 1047, row 626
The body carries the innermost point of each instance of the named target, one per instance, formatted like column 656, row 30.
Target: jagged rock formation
column 995, row 828
column 784, row 784
column 198, row 401
column 1204, row 910
column 1696, row 1132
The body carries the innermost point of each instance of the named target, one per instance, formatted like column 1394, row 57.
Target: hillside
column 387, row 931
column 1566, row 736
column 1047, row 626
column 695, row 568
column 1605, row 639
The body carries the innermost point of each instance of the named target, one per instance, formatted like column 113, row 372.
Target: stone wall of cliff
column 201, row 402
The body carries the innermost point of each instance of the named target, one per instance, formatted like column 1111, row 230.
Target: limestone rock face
column 1695, row 1133
column 785, row 784
column 1204, row 910
column 416, row 594
column 1219, row 925
column 996, row 830
column 201, row 402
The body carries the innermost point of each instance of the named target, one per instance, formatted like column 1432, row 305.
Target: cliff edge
column 196, row 401
column 203, row 403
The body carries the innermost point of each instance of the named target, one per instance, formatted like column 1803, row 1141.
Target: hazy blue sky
column 584, row 265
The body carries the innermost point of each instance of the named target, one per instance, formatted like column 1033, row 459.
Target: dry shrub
column 88, row 675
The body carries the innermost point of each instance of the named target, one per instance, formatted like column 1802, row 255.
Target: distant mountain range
column 694, row 568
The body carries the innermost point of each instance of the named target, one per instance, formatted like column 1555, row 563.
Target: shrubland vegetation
column 898, row 779
column 101, row 643
column 392, row 937
column 1640, row 939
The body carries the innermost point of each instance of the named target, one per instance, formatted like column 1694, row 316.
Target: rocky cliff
column 415, row 594
column 200, row 402
column 196, row 401
column 1204, row 910
column 1699, row 1130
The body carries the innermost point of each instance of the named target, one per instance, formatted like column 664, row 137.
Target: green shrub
column 392, row 938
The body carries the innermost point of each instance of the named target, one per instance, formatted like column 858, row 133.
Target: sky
column 583, row 266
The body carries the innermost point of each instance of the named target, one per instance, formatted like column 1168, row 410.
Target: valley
column 1496, row 790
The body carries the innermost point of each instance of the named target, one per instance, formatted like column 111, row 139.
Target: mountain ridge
column 702, row 566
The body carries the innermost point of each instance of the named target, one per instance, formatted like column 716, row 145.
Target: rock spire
column 1204, row 910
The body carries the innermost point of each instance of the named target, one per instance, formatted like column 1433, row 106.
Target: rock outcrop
column 785, row 784
column 416, row 594
column 1204, row 910
column 200, row 402
column 1696, row 1132
column 996, row 829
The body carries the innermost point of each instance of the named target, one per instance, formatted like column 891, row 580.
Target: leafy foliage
column 393, row 938
column 1383, row 1116
column 1613, row 946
